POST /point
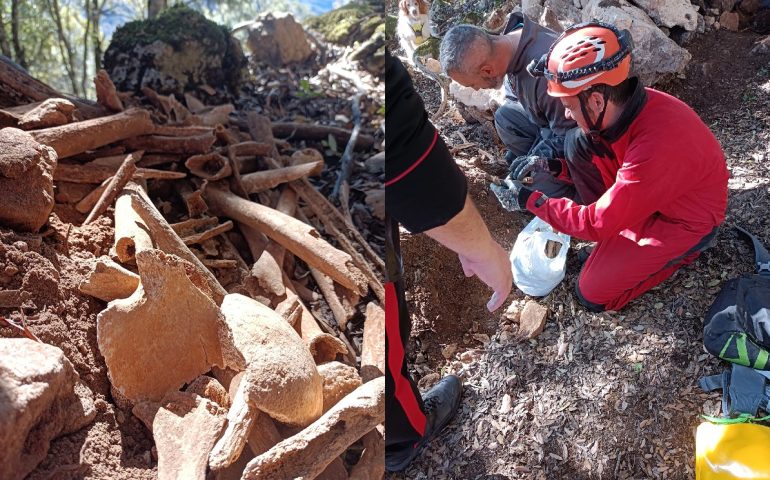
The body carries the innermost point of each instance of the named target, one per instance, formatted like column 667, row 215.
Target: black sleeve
column 424, row 188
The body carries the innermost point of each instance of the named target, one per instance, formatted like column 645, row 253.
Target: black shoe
column 441, row 404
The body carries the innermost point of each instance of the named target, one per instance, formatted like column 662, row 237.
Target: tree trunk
column 154, row 7
column 18, row 50
column 64, row 45
column 96, row 39
column 86, row 38
column 5, row 47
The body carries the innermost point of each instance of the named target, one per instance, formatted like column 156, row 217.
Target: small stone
column 532, row 320
column 419, row 358
column 449, row 351
column 21, row 246
column 481, row 337
column 505, row 404
column 10, row 270
column 469, row 356
column 729, row 21
column 278, row 39
column 427, row 382
column 376, row 163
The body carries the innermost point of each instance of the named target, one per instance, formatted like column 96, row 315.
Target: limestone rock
column 671, row 13
column 353, row 22
column 655, row 55
column 483, row 99
column 26, row 180
column 277, row 39
column 565, row 12
column 177, row 52
column 162, row 336
column 729, row 21
column 40, row 399
column 185, row 429
column 532, row 319
column 339, row 380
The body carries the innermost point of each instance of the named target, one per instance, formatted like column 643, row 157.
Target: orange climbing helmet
column 585, row 55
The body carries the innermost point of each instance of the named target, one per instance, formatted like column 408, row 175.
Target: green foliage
column 355, row 21
column 172, row 26
column 306, row 90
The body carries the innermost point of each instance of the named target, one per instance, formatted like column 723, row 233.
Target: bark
column 96, row 41
column 17, row 48
column 5, row 47
column 64, row 45
column 308, row 131
column 121, row 178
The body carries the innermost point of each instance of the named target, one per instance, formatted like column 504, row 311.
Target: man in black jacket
column 426, row 192
column 530, row 123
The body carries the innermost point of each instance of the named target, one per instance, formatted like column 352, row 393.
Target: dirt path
column 608, row 396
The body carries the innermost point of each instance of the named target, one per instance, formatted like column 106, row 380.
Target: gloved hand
column 527, row 165
column 510, row 194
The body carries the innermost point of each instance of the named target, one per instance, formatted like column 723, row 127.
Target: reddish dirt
column 50, row 266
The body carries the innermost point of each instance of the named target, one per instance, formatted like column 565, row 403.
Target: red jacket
column 669, row 168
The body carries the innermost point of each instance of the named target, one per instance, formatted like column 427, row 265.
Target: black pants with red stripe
column 404, row 414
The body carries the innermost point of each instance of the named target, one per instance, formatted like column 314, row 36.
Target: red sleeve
column 648, row 180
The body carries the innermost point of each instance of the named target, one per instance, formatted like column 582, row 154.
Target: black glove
column 512, row 195
column 528, row 165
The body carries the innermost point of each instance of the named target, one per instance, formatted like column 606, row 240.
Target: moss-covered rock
column 351, row 23
column 178, row 51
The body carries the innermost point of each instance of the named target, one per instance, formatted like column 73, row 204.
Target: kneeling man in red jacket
column 651, row 174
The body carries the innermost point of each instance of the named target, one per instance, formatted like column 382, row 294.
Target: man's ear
column 486, row 69
column 597, row 101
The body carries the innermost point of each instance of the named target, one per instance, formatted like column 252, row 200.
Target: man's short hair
column 457, row 44
column 618, row 94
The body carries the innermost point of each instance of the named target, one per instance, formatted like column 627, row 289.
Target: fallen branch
column 23, row 328
column 306, row 454
column 163, row 144
column 211, row 233
column 309, row 131
column 267, row 179
column 98, row 173
column 121, row 178
column 297, row 237
column 346, row 161
column 79, row 137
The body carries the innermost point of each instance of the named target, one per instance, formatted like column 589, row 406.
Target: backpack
column 738, row 322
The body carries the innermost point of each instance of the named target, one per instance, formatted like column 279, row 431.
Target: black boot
column 441, row 404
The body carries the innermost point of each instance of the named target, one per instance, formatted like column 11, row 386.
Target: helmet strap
column 594, row 127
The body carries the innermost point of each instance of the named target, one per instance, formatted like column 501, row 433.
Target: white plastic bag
column 533, row 271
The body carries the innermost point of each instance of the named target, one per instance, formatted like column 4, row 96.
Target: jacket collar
column 529, row 32
column 631, row 110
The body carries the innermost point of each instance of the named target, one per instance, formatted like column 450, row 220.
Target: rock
column 449, row 351
column 532, row 320
column 277, row 39
column 148, row 350
column 185, row 429
column 339, row 380
column 750, row 7
column 40, row 399
column 505, row 404
column 655, row 55
column 729, row 21
column 722, row 5
column 371, row 53
column 376, row 163
column 428, row 381
column 497, row 18
column 176, row 52
column 709, row 21
column 208, row 387
column 565, row 12
column 532, row 8
column 375, row 200
column 51, row 113
column 671, row 13
column 761, row 46
column 26, row 180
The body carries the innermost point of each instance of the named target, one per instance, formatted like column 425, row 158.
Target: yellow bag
column 732, row 451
